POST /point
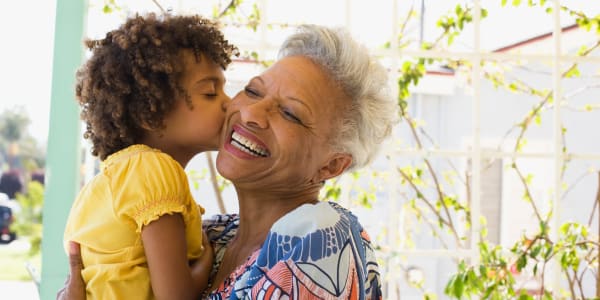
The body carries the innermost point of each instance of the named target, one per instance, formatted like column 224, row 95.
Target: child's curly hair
column 132, row 78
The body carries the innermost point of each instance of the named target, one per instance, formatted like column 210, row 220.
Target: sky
column 27, row 38
column 26, row 60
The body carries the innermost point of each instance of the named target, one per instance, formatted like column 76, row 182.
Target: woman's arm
column 166, row 252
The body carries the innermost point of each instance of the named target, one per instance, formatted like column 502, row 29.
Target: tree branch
column 159, row 6
column 597, row 260
column 224, row 11
column 215, row 184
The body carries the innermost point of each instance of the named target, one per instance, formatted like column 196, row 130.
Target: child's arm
column 166, row 252
column 202, row 267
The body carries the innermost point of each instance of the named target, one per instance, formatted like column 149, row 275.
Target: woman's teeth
column 247, row 146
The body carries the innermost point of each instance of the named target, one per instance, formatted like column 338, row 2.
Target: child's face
column 191, row 130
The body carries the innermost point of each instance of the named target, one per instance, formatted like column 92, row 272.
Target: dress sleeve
column 150, row 185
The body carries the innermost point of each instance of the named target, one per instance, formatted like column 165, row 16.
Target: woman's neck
column 259, row 210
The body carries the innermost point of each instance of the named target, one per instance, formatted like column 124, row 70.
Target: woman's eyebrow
column 301, row 102
column 295, row 99
column 256, row 78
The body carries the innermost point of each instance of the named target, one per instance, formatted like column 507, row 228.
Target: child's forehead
column 200, row 67
column 190, row 56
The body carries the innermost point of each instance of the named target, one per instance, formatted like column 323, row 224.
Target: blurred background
column 489, row 188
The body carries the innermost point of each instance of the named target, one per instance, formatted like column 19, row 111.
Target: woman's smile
column 241, row 140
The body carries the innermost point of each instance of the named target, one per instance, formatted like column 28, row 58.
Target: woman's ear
column 335, row 166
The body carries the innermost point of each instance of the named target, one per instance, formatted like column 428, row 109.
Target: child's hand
column 202, row 267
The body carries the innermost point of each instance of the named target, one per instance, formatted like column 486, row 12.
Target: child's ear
column 336, row 165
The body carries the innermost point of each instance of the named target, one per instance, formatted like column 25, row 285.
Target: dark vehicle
column 6, row 218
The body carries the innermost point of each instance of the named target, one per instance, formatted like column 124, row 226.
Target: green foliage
column 15, row 140
column 494, row 275
column 14, row 264
column 360, row 195
column 235, row 13
column 28, row 221
column 13, row 124
column 110, row 6
column 197, row 176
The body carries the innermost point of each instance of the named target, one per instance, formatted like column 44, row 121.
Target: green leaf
column 516, row 2
column 582, row 50
column 107, row 9
column 449, row 290
column 459, row 287
column 529, row 178
column 521, row 262
column 588, row 107
column 573, row 72
column 543, row 228
column 535, row 251
column 524, row 296
column 458, row 9
column 548, row 252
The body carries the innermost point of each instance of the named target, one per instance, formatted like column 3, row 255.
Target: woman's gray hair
column 372, row 111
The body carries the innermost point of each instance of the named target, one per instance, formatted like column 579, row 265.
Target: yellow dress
column 134, row 187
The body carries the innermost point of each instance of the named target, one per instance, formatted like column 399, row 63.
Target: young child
column 151, row 97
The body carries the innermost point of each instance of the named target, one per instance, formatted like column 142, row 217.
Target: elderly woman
column 321, row 110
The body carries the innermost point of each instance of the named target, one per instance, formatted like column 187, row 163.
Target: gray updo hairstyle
column 371, row 111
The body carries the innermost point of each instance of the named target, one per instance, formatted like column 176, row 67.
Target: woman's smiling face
column 278, row 129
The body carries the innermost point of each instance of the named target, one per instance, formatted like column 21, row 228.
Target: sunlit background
column 482, row 153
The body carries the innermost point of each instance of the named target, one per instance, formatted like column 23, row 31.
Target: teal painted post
column 64, row 146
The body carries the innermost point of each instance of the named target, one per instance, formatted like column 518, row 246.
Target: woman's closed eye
column 251, row 92
column 289, row 115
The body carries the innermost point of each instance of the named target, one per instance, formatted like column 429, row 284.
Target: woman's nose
column 256, row 113
column 225, row 102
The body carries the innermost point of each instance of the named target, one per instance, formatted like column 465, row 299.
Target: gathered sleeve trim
column 149, row 185
column 153, row 210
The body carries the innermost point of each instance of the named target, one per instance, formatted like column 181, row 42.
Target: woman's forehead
column 301, row 76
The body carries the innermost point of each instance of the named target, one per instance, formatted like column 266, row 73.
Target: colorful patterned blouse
column 317, row 251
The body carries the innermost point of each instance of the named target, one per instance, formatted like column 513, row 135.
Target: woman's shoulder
column 318, row 242
column 314, row 232
column 309, row 218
